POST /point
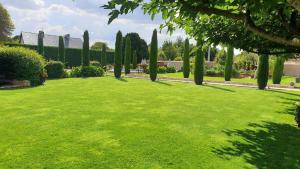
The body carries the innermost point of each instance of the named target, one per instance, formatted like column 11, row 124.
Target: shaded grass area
column 132, row 123
column 286, row 80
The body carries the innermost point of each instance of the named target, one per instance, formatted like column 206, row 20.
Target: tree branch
column 292, row 26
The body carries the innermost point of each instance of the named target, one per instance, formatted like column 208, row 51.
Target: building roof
column 29, row 38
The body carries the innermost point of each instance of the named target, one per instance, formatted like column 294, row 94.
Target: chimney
column 41, row 34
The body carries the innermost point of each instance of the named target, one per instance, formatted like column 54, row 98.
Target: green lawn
column 286, row 80
column 132, row 123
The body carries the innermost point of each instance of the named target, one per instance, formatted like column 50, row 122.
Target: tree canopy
column 265, row 26
column 99, row 46
column 6, row 24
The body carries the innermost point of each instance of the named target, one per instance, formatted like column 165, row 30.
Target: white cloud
column 25, row 4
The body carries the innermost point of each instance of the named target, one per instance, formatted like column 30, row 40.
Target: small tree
column 199, row 65
column 134, row 60
column 263, row 71
column 61, row 50
column 153, row 56
column 128, row 55
column 41, row 45
column 228, row 64
column 118, row 55
column 278, row 69
column 86, row 49
column 186, row 59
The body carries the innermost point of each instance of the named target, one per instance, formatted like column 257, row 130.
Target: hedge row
column 72, row 56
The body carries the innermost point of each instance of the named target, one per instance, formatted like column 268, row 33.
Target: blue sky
column 60, row 17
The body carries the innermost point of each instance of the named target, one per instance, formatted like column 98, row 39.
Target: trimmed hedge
column 72, row 56
column 118, row 55
column 87, row 71
column 186, row 59
column 128, row 54
column 199, row 65
column 61, row 50
column 55, row 69
column 22, row 64
column 263, row 71
column 86, row 49
column 228, row 64
column 278, row 69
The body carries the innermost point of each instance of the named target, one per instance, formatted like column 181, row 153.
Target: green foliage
column 61, row 50
column 103, row 56
column 99, row 46
column 95, row 63
column 263, row 71
column 6, row 24
column 118, row 55
column 22, row 64
column 220, row 58
column 229, row 63
column 137, row 44
column 170, row 69
column 278, row 69
column 40, row 48
column 153, row 56
column 186, row 59
column 128, row 55
column 161, row 70
column 86, row 49
column 87, row 71
column 246, row 61
column 55, row 69
column 297, row 114
column 199, row 65
column 134, row 60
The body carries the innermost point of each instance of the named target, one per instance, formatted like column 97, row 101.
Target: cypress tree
column 228, row 63
column 61, row 50
column 41, row 45
column 263, row 71
column 278, row 69
column 86, row 49
column 186, row 59
column 153, row 56
column 128, row 55
column 103, row 56
column 199, row 65
column 118, row 55
column 134, row 60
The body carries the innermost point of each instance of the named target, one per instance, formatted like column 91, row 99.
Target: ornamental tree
column 86, row 49
column 103, row 55
column 153, row 56
column 61, row 50
column 118, row 55
column 228, row 64
column 278, row 69
column 186, row 59
column 263, row 71
column 199, row 65
column 128, row 55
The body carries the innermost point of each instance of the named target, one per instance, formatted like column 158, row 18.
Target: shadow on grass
column 219, row 88
column 284, row 92
column 266, row 145
column 163, row 83
column 122, row 80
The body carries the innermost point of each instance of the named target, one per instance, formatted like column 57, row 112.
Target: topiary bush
column 87, row 71
column 186, row 59
column 118, row 56
column 153, row 56
column 128, row 55
column 228, row 64
column 61, row 50
column 95, row 63
column 263, row 71
column 171, row 69
column 86, row 49
column 55, row 69
column 199, row 65
column 18, row 63
column 278, row 70
column 161, row 70
column 297, row 114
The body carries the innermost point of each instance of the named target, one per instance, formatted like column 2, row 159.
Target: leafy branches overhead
column 246, row 24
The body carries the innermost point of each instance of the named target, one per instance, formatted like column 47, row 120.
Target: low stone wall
column 292, row 69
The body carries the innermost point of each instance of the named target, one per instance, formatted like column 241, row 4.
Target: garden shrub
column 55, row 69
column 40, row 47
column 297, row 114
column 186, row 60
column 153, row 56
column 161, row 70
column 278, row 69
column 118, row 55
column 134, row 60
column 263, row 71
column 95, row 63
column 18, row 63
column 103, row 56
column 87, row 71
column 61, row 50
column 170, row 69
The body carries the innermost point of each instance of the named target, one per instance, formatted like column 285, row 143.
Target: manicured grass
column 286, row 80
column 131, row 123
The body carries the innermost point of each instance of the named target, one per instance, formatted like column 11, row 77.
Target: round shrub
column 171, row 69
column 95, row 63
column 18, row 63
column 87, row 71
column 162, row 69
column 55, row 69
